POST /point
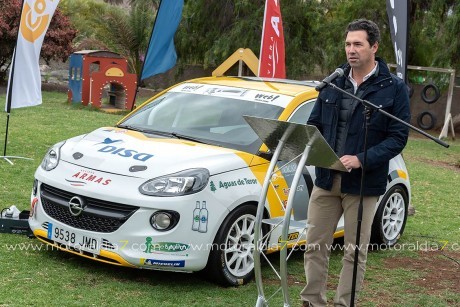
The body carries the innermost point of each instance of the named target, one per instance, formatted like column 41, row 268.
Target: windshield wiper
column 143, row 130
column 189, row 138
column 129, row 127
column 164, row 133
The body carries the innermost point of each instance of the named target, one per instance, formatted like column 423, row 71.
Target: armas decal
column 84, row 177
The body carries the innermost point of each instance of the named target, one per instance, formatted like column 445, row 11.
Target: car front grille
column 98, row 215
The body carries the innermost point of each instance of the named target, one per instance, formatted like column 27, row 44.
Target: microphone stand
column 368, row 109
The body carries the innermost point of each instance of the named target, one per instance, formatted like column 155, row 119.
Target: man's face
column 360, row 54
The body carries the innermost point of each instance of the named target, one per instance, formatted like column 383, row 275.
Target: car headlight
column 182, row 183
column 51, row 159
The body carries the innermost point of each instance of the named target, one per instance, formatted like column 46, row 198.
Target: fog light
column 164, row 220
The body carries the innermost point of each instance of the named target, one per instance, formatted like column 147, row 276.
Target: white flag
column 25, row 72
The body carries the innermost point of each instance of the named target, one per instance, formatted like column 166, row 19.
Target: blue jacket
column 386, row 137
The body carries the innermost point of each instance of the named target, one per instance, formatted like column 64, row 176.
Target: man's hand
column 350, row 162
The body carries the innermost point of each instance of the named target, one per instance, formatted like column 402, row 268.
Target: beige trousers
column 324, row 212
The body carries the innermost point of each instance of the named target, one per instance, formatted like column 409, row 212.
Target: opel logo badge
column 76, row 205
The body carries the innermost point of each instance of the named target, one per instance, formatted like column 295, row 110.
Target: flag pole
column 9, row 94
column 139, row 80
column 6, row 133
column 10, row 83
column 407, row 41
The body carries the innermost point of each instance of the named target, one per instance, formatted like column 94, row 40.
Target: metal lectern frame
column 287, row 141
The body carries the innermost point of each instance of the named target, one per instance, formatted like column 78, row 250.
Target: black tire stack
column 426, row 119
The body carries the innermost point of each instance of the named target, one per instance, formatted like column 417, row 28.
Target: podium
column 288, row 141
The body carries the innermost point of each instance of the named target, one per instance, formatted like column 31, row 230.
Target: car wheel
column 390, row 218
column 231, row 261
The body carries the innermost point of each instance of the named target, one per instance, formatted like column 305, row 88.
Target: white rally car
column 175, row 184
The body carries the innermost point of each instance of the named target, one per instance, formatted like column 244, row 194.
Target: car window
column 213, row 119
column 302, row 113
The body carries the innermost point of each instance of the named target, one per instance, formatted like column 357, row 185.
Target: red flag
column 271, row 59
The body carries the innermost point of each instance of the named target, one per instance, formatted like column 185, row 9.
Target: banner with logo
column 24, row 83
column 271, row 59
column 161, row 53
column 398, row 17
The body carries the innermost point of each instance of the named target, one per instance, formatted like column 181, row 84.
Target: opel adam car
column 175, row 184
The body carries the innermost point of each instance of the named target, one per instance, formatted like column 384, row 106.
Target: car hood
column 131, row 153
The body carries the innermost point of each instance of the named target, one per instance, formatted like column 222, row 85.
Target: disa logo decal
column 125, row 153
column 109, row 141
column 33, row 21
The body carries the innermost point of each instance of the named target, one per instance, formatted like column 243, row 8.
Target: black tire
column 390, row 218
column 233, row 268
column 425, row 93
column 422, row 122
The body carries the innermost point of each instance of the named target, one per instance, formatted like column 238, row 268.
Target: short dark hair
column 371, row 28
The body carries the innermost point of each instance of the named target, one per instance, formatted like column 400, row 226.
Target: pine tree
column 213, row 187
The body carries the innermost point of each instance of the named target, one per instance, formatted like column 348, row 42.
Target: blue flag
column 161, row 53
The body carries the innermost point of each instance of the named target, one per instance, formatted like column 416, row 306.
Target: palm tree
column 154, row 3
column 126, row 31
column 115, row 2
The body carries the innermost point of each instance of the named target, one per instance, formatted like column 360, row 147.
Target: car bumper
column 133, row 242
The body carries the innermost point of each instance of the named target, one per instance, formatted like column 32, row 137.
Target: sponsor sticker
column 116, row 130
column 125, row 153
column 168, row 247
column 84, row 177
column 299, row 189
column 233, row 92
column 291, row 236
column 200, row 217
column 163, row 263
column 232, row 183
column 109, row 141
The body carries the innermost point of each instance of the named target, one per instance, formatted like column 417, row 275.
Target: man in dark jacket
column 341, row 120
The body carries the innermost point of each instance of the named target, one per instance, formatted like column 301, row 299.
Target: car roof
column 280, row 86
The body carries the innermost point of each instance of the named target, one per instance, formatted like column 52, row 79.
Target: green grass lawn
column 422, row 271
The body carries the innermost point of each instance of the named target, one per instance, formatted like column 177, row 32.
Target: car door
column 305, row 185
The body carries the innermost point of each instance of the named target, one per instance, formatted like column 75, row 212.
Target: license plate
column 73, row 239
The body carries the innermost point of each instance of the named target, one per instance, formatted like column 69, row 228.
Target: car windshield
column 214, row 117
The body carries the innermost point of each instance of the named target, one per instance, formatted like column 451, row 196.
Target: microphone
column 337, row 73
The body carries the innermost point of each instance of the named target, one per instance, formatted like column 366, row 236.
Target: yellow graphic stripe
column 258, row 167
column 295, row 103
column 339, row 234
column 402, row 174
column 116, row 259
